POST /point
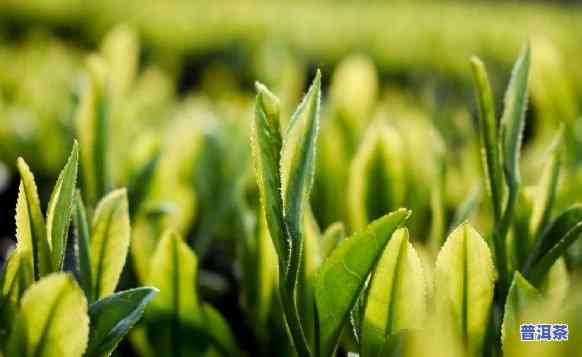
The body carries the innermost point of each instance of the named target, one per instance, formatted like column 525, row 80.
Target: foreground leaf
column 59, row 209
column 298, row 165
column 113, row 317
column 464, row 281
column 343, row 274
column 396, row 299
column 52, row 321
column 109, row 243
column 266, row 144
column 30, row 228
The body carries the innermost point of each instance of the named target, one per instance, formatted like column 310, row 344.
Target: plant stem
column 500, row 236
column 293, row 321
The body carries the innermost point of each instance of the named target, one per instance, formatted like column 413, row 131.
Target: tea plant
column 472, row 300
column 45, row 312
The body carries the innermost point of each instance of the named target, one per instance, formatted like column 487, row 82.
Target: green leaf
column 113, row 317
column 545, row 191
column 30, row 227
column 139, row 185
column 464, row 282
column 343, row 274
column 298, row 167
column 563, row 231
column 176, row 310
column 16, row 277
column 59, row 209
column 83, row 243
column 467, row 207
column 396, row 299
column 110, row 234
column 377, row 182
column 92, row 121
column 332, row 236
column 513, row 119
column 488, row 134
column 219, row 332
column 266, row 144
column 53, row 320
column 309, row 267
column 521, row 298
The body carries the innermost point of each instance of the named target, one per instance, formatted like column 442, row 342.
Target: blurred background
column 181, row 78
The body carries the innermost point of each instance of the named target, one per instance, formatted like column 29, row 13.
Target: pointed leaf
column 82, row 246
column 546, row 189
column 564, row 231
column 176, row 310
column 266, row 144
column 139, row 185
column 513, row 119
column 343, row 274
column 219, row 332
column 109, row 242
column 59, row 209
column 298, row 161
column 92, row 121
column 52, row 321
column 488, row 135
column 113, row 317
column 376, row 183
column 464, row 281
column 30, row 227
column 396, row 299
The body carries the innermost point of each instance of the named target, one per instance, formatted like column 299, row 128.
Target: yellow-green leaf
column 513, row 119
column 266, row 144
column 332, row 236
column 396, row 299
column 110, row 234
column 521, row 299
column 175, row 311
column 545, row 191
column 464, row 282
column 377, row 181
column 343, row 274
column 298, row 161
column 30, row 227
column 219, row 332
column 59, row 209
column 92, row 121
column 16, row 277
column 52, row 321
column 489, row 136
